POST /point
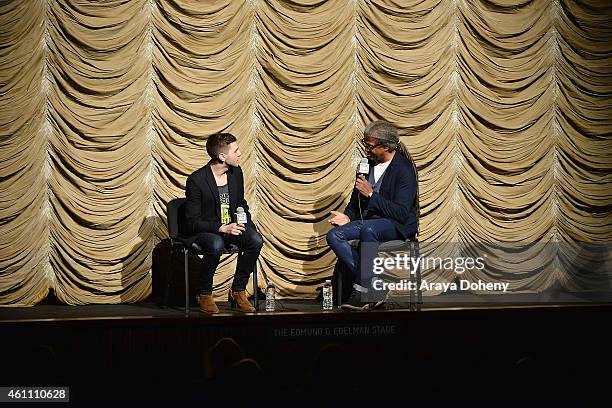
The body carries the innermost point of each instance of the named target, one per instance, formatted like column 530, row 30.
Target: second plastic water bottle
column 270, row 293
column 328, row 303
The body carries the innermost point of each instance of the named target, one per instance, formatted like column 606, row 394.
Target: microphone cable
column 359, row 205
column 359, row 194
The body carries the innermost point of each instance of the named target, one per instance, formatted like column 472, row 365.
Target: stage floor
column 148, row 310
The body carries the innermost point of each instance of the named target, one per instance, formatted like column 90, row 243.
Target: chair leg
column 339, row 291
column 418, row 280
column 186, row 255
column 412, row 279
column 169, row 277
column 255, row 289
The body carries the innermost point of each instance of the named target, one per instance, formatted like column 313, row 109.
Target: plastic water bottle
column 270, row 293
column 328, row 303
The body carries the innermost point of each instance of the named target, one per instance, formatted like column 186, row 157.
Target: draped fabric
column 106, row 106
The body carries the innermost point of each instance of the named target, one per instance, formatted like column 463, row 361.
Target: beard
column 232, row 163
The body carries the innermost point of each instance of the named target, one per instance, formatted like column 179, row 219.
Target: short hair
column 218, row 142
column 385, row 132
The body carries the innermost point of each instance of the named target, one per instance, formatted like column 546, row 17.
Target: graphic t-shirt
column 224, row 199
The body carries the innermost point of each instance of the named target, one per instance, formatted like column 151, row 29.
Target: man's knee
column 255, row 239
column 333, row 236
column 215, row 247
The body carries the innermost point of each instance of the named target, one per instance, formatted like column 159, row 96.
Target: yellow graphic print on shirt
column 224, row 200
column 225, row 215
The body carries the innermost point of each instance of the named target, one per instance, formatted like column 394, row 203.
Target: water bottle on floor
column 328, row 303
column 270, row 293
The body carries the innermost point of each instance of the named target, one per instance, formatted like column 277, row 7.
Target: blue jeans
column 369, row 233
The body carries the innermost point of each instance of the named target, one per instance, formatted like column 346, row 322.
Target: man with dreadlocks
column 383, row 207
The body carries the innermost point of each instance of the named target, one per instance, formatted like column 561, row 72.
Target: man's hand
column 232, row 229
column 363, row 186
column 339, row 218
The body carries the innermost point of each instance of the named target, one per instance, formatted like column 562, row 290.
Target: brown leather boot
column 240, row 299
column 207, row 304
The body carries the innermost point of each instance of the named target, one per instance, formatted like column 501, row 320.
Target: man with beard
column 383, row 207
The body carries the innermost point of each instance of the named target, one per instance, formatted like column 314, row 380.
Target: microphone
column 364, row 168
column 241, row 216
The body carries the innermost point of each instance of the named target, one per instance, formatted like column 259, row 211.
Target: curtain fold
column 105, row 109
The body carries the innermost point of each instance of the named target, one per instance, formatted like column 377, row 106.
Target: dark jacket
column 203, row 207
column 395, row 200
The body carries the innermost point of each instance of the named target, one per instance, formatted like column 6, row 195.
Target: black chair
column 178, row 241
column 411, row 245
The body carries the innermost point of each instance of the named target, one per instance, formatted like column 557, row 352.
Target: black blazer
column 396, row 199
column 203, row 207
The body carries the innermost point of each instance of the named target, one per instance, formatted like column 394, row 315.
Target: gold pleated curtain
column 105, row 108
